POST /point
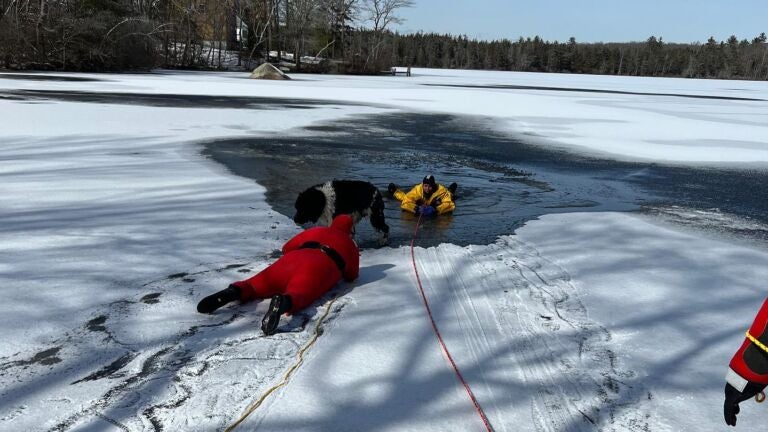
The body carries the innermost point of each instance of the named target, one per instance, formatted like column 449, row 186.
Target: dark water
column 21, row 76
column 170, row 100
column 603, row 91
column 502, row 182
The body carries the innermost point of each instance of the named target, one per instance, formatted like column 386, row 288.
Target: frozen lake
column 576, row 307
column 503, row 182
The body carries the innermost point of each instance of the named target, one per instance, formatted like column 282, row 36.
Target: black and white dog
column 321, row 203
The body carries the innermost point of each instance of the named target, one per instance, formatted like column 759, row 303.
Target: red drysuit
column 748, row 371
column 748, row 364
column 309, row 266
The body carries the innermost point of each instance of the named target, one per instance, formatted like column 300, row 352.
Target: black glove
column 452, row 188
column 392, row 188
column 733, row 397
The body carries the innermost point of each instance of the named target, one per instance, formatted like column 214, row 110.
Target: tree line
column 347, row 36
column 104, row 35
column 731, row 59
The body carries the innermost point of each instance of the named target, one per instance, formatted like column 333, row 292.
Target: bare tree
column 339, row 14
column 381, row 13
column 299, row 16
column 259, row 18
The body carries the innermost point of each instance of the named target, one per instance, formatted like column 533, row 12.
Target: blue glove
column 428, row 211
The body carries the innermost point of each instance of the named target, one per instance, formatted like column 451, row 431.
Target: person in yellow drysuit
column 428, row 198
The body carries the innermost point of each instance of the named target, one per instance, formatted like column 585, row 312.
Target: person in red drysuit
column 748, row 371
column 312, row 263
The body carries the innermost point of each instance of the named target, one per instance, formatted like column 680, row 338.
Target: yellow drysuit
column 441, row 199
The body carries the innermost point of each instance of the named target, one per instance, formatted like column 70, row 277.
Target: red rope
column 440, row 337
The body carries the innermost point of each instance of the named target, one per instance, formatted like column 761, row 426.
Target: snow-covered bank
column 113, row 227
column 612, row 323
column 676, row 305
column 85, row 220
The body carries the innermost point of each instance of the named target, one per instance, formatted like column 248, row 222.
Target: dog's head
column 309, row 206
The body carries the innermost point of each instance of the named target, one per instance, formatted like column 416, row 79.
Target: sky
column 589, row 20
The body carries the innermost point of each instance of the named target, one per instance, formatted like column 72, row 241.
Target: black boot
column 279, row 305
column 452, row 188
column 219, row 299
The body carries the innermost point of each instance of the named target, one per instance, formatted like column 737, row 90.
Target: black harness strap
column 335, row 256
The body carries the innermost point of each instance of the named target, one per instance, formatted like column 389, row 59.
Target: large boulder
column 268, row 71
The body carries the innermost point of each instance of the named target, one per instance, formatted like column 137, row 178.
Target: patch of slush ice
column 709, row 218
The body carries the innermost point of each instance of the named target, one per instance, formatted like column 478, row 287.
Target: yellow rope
column 288, row 374
column 757, row 342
